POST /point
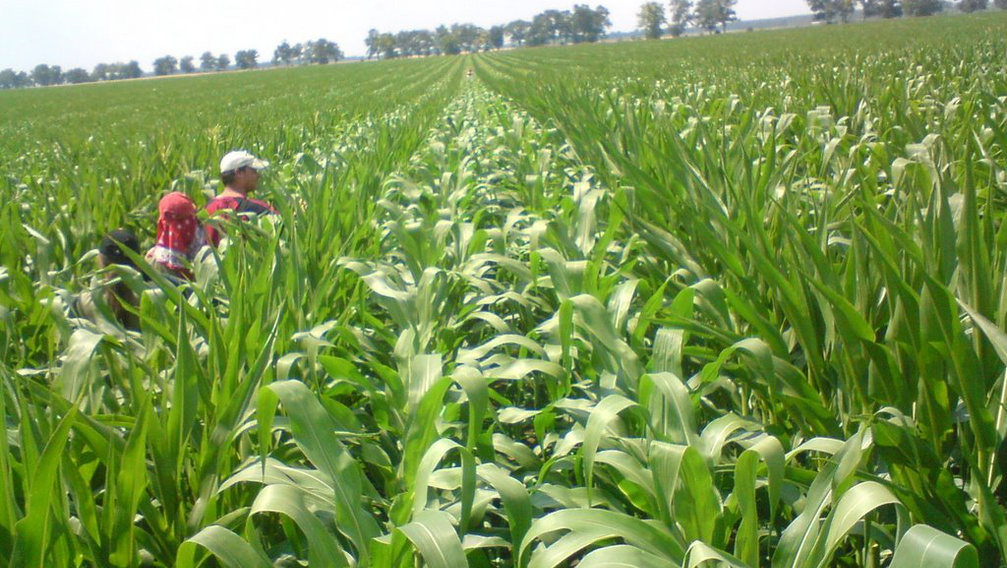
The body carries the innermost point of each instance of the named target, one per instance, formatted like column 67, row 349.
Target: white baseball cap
column 238, row 159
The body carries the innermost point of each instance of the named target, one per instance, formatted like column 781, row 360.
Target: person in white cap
column 239, row 173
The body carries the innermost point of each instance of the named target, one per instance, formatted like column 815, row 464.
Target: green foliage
column 650, row 304
column 922, row 7
column 651, row 20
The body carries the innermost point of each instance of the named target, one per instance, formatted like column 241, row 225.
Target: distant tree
column 10, row 79
column 681, row 17
column 373, row 49
column 77, row 75
column 44, row 75
column 651, row 20
column 283, row 54
column 386, row 46
column 496, row 37
column 7, row 78
column 130, row 70
column 969, row 6
column 727, row 14
column 831, row 10
column 1002, row 4
column 468, row 36
column 423, row 42
column 186, row 65
column 518, row 30
column 223, row 62
column 246, row 59
column 922, row 7
column 403, row 43
column 207, row 61
column 706, row 15
column 409, row 43
column 165, row 65
column 560, row 25
column 297, row 53
column 711, row 14
column 100, row 72
column 881, row 8
column 589, row 25
column 540, row 32
column 446, row 41
column 323, row 51
column 114, row 71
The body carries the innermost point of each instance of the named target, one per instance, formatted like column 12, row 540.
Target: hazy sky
column 82, row 33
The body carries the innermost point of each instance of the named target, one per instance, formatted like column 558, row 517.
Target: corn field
column 718, row 301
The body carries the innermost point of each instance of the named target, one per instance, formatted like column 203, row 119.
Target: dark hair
column 112, row 244
column 119, row 294
column 227, row 178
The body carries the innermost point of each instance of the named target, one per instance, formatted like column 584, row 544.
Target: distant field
column 730, row 300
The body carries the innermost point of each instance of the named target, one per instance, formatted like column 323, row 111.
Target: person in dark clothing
column 115, row 294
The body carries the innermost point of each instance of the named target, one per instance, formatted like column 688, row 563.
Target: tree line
column 709, row 15
column 582, row 24
column 45, row 75
column 654, row 20
column 842, row 10
column 320, row 51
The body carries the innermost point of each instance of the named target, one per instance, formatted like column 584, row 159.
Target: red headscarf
column 179, row 234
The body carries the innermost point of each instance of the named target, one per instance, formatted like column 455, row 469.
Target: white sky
column 82, row 33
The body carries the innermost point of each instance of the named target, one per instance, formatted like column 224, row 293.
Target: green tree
column 246, row 59
column 44, row 75
column 560, row 25
column 881, row 8
column 468, row 36
column 186, row 65
column 404, row 43
column 10, row 79
column 969, row 6
column 446, row 41
column 207, row 61
column 424, row 43
column 372, row 43
column 1002, row 4
column 283, row 54
column 223, row 62
column 386, row 46
column 681, row 16
column 922, row 7
column 129, row 70
column 711, row 14
column 165, row 65
column 77, row 75
column 323, row 52
column 589, row 25
column 100, row 72
column 831, row 10
column 518, row 31
column 651, row 20
column 496, row 37
column 540, row 31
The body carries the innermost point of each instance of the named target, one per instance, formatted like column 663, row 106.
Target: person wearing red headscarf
column 180, row 236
